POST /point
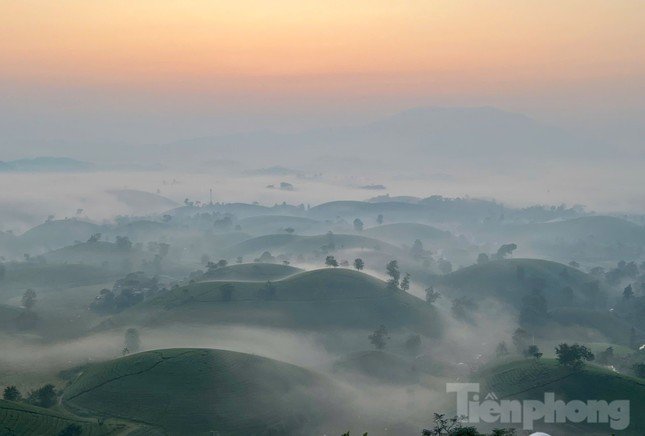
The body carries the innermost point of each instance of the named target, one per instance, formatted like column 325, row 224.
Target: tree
column 71, row 430
column 628, row 292
column 413, row 344
column 501, row 350
column 45, row 396
column 359, row 264
column 392, row 270
column 405, row 283
column 520, row 340
column 29, row 299
column 573, row 356
column 482, row 258
column 505, row 250
column 331, row 261
column 358, row 225
column 96, row 237
column 417, row 250
column 379, row 219
column 290, row 230
column 132, row 341
column 533, row 351
column 11, row 393
column 432, row 295
column 379, row 338
column 226, row 291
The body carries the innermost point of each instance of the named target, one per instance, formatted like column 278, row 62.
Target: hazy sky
column 156, row 70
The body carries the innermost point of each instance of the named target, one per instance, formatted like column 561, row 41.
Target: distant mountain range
column 476, row 132
column 45, row 164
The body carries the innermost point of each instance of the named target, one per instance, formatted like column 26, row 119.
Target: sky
column 117, row 71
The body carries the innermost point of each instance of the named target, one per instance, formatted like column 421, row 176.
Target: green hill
column 252, row 272
column 58, row 233
column 324, row 298
column 512, row 279
column 611, row 326
column 23, row 419
column 101, row 253
column 406, row 233
column 530, row 379
column 199, row 391
column 21, row 275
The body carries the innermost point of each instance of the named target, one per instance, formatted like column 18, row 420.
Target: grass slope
column 324, row 298
column 23, row 419
column 530, row 379
column 198, row 391
column 512, row 279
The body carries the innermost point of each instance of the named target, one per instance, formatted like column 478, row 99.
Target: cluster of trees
column 573, row 356
column 126, row 292
column 45, row 396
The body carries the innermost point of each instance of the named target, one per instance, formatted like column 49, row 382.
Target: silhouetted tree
column 11, row 393
column 359, row 264
column 573, row 356
column 505, row 250
column 533, row 351
column 379, row 219
column 358, row 225
column 29, row 299
column 45, row 396
column 432, row 295
column 331, row 261
column 502, row 349
column 392, row 270
column 379, row 338
column 482, row 258
column 405, row 282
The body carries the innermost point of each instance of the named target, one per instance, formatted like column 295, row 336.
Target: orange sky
column 312, row 46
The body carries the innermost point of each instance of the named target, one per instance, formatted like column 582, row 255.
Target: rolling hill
column 202, row 391
column 530, row 379
column 512, row 279
column 406, row 233
column 55, row 234
column 319, row 299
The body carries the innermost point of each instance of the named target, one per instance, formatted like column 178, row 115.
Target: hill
column 23, row 419
column 55, row 234
column 23, row 275
column 530, row 379
column 512, row 279
column 252, row 272
column 45, row 164
column 200, row 391
column 406, row 233
column 319, row 299
column 101, row 253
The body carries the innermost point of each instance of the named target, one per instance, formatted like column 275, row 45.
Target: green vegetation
column 332, row 298
column 252, row 272
column 196, row 391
